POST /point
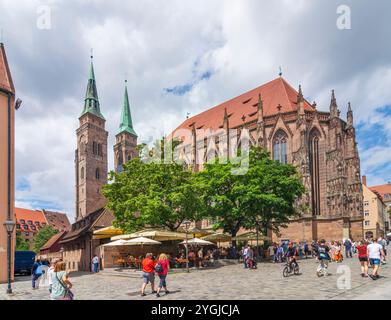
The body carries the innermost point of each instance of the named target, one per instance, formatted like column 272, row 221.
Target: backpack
column 40, row 270
column 159, row 268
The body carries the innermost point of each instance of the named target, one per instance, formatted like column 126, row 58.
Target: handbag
column 68, row 294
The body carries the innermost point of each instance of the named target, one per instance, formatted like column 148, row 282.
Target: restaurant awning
column 218, row 237
column 107, row 232
column 159, row 235
column 196, row 232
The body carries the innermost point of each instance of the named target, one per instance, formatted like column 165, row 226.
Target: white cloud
column 161, row 45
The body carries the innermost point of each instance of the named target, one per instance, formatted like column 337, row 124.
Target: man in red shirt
column 148, row 273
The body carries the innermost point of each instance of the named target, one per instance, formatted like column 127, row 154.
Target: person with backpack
column 36, row 273
column 323, row 258
column 363, row 257
column 161, row 268
column 61, row 287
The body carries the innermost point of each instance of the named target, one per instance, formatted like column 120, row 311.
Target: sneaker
column 143, row 294
column 154, row 291
column 167, row 292
column 365, row 276
column 157, row 295
column 362, row 275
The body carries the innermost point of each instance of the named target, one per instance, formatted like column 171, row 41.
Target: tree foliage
column 21, row 245
column 42, row 237
column 263, row 197
column 156, row 195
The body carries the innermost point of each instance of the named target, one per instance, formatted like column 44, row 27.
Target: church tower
column 125, row 147
column 91, row 153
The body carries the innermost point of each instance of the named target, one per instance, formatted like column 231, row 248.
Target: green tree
column 21, row 245
column 263, row 197
column 42, row 237
column 156, row 195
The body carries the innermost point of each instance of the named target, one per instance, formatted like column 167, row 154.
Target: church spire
column 91, row 101
column 334, row 113
column 260, row 109
column 350, row 116
column 300, row 103
column 126, row 124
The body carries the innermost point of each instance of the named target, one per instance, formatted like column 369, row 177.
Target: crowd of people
column 57, row 278
column 370, row 253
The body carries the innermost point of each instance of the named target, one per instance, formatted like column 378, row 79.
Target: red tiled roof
column 53, row 240
column 57, row 220
column 382, row 189
column 5, row 74
column 26, row 215
column 275, row 93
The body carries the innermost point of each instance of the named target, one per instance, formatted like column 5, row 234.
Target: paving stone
column 228, row 282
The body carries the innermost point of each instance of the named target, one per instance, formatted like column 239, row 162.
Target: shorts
column 363, row 259
column 148, row 277
column 374, row 262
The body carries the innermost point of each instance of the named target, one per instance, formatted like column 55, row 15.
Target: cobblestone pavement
column 228, row 282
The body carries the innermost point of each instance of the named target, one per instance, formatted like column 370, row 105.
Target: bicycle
column 291, row 267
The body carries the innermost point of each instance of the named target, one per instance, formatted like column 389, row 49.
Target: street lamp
column 9, row 226
column 187, row 225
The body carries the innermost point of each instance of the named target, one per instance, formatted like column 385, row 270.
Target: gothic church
column 91, row 171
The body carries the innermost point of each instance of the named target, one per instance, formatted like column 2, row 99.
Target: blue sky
column 182, row 57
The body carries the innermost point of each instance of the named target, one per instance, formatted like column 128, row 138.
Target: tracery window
column 313, row 148
column 280, row 147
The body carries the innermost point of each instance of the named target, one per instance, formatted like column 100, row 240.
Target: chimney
column 364, row 180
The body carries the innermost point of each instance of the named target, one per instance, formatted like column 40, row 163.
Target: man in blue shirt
column 36, row 272
column 348, row 248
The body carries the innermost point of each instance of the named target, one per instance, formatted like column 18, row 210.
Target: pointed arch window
column 313, row 148
column 97, row 174
column 280, row 151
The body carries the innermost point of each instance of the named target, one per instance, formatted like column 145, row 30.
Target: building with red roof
column 28, row 223
column 320, row 144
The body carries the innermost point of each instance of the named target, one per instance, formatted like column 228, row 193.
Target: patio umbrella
column 141, row 241
column 218, row 237
column 200, row 242
column 248, row 236
column 160, row 235
column 115, row 243
column 196, row 232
